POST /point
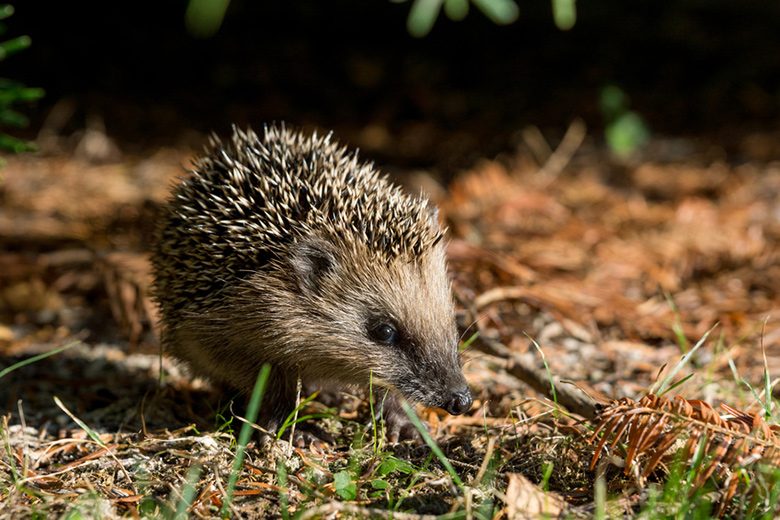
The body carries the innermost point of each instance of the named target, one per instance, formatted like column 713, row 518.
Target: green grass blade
column 431, row 443
column 546, row 368
column 293, row 418
column 664, row 386
column 188, row 492
column 246, row 431
column 374, row 422
column 92, row 433
column 767, row 379
column 678, row 383
column 677, row 326
column 466, row 344
column 33, row 359
column 281, row 481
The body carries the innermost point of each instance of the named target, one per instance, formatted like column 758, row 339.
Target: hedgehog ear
column 312, row 260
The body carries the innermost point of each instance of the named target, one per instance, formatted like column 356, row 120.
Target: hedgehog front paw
column 398, row 426
column 307, row 434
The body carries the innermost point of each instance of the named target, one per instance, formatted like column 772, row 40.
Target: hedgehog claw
column 310, row 435
column 401, row 429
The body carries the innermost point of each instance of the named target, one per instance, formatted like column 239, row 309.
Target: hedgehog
column 285, row 249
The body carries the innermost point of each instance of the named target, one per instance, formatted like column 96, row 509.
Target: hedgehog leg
column 397, row 423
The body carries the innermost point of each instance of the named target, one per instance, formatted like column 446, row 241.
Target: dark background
column 690, row 67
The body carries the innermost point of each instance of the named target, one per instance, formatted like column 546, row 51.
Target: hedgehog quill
column 284, row 248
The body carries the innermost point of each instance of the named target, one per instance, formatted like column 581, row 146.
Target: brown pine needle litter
column 656, row 432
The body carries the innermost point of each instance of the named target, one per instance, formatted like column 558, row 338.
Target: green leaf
column 456, row 9
column 679, row 383
column 345, row 487
column 148, row 507
column 13, row 118
column 547, row 469
column 380, row 484
column 281, row 479
column 14, row 45
column 627, row 133
column 6, row 11
column 30, row 94
column 12, row 144
column 613, row 102
column 13, row 92
column 501, row 12
column 391, row 464
column 422, row 16
column 387, row 467
column 92, row 433
column 203, row 18
column 564, row 14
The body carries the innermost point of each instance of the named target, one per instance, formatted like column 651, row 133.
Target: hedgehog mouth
column 455, row 398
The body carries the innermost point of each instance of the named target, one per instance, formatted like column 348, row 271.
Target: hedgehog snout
column 459, row 401
column 453, row 393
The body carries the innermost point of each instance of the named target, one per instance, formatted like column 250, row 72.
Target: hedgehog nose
column 460, row 402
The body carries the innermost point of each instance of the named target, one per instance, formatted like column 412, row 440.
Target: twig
column 535, row 141
column 298, row 390
column 560, row 158
column 524, row 368
column 25, row 457
column 486, row 461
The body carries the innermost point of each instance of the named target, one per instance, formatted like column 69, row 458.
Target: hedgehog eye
column 384, row 333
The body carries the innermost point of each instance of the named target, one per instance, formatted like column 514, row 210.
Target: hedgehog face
column 393, row 322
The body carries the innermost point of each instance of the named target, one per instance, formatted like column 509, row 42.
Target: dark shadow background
column 691, row 67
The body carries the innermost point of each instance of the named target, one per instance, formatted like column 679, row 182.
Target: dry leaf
column 524, row 499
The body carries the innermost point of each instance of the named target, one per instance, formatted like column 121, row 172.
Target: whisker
column 465, row 331
column 470, row 343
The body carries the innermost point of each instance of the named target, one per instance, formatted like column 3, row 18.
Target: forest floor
column 604, row 271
